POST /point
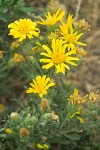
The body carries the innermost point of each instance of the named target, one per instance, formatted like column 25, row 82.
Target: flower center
column 70, row 38
column 39, row 88
column 24, row 30
column 58, row 58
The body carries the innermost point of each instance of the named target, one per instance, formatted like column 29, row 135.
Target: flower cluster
column 53, row 47
column 59, row 52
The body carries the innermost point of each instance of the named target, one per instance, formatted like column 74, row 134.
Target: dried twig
column 77, row 9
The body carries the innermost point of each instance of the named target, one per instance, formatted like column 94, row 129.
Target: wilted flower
column 44, row 104
column 55, row 4
column 15, row 44
column 18, row 58
column 24, row 132
column 93, row 96
column 76, row 98
column 80, row 52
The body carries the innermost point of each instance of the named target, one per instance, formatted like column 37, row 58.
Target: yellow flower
column 18, row 58
column 23, row 28
column 69, row 35
column 52, row 19
column 42, row 146
column 80, row 119
column 15, row 44
column 9, row 131
column 40, row 85
column 78, row 112
column 58, row 57
column 1, row 54
column 76, row 98
column 77, row 115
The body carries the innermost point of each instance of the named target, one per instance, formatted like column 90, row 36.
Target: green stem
column 35, row 59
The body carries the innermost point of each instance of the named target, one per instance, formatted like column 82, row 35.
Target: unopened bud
column 14, row 116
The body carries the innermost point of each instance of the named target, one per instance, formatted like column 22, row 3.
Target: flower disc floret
column 40, row 85
column 52, row 19
column 58, row 57
column 23, row 28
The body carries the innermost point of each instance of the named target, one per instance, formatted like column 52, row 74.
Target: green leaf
column 73, row 137
column 27, row 9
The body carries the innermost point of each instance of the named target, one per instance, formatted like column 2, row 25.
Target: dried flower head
column 80, row 52
column 24, row 132
column 55, row 4
column 84, row 25
column 1, row 54
column 15, row 44
column 94, row 96
column 44, row 104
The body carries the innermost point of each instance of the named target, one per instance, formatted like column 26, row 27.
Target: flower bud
column 8, row 131
column 14, row 116
column 54, row 116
